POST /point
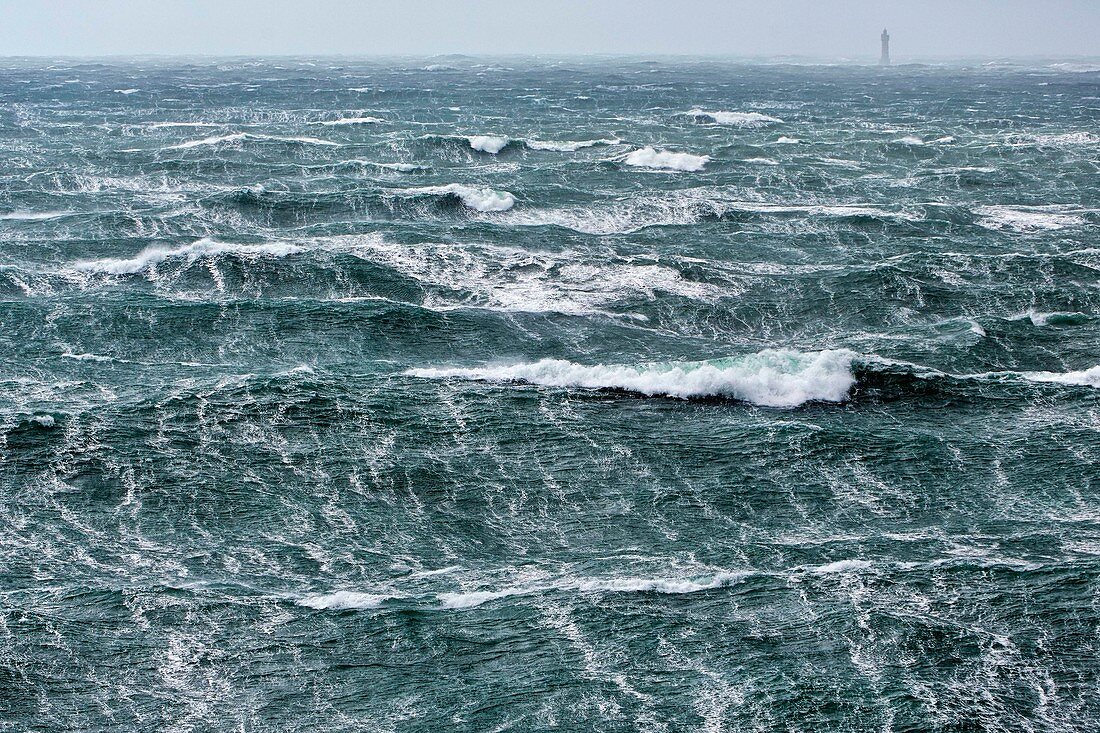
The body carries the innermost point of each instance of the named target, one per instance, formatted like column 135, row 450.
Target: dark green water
column 358, row 396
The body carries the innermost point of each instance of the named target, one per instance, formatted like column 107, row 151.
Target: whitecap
column 491, row 144
column 164, row 125
column 841, row 566
column 666, row 585
column 32, row 215
column 152, row 256
column 239, row 136
column 343, row 600
column 479, row 199
column 736, row 119
column 1025, row 218
column 352, row 121
column 784, row 140
column 567, row 146
column 770, row 378
column 649, row 157
column 1083, row 378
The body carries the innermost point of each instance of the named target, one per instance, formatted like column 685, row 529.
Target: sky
column 816, row 28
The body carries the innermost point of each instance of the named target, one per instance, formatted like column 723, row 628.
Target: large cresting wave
column 771, row 378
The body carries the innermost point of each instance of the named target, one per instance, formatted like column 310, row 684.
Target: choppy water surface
column 584, row 395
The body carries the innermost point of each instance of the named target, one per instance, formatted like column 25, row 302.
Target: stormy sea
column 520, row 394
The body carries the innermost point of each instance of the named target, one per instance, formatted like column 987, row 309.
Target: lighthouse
column 884, row 60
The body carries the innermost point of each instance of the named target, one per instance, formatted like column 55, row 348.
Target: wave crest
column 735, row 119
column 478, row 199
column 649, row 157
column 770, row 378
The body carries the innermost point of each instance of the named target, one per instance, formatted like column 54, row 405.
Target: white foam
column 353, row 121
column 239, row 136
column 511, row 279
column 567, row 147
column 479, row 199
column 127, row 91
column 476, row 598
column 784, row 140
column 910, row 140
column 152, row 256
column 668, row 585
column 45, row 421
column 162, row 125
column 343, row 600
column 736, row 119
column 87, row 357
column 771, row 378
column 1043, row 319
column 491, row 144
column 841, row 566
column 648, row 157
column 32, row 215
column 762, row 161
column 1083, row 378
column 1069, row 138
column 215, row 140
column 1026, row 219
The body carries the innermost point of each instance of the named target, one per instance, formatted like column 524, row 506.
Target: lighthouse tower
column 884, row 60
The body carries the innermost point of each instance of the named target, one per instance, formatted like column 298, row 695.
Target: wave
column 688, row 207
column 780, row 378
column 163, row 125
column 1026, row 218
column 1056, row 318
column 840, row 566
column 242, row 136
column 567, row 147
column 1083, row 378
column 735, row 119
column 152, row 256
column 479, row 199
column 491, row 144
column 784, row 140
column 770, row 378
column 343, row 600
column 649, row 157
column 918, row 141
column 352, row 121
column 399, row 167
column 671, row 586
column 32, row 215
column 515, row 280
column 495, row 144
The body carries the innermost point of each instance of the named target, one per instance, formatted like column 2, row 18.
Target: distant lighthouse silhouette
column 884, row 60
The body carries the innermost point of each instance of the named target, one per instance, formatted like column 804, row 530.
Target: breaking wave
column 352, row 121
column 478, row 199
column 152, row 256
column 649, row 157
column 238, row 137
column 491, row 144
column 567, row 146
column 343, row 600
column 735, row 119
column 671, row 586
column 770, row 378
column 1026, row 218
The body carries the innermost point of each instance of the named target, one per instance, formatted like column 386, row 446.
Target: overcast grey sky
column 834, row 28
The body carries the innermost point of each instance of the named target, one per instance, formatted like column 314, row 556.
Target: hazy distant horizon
column 842, row 30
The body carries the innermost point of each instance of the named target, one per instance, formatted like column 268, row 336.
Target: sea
column 549, row 394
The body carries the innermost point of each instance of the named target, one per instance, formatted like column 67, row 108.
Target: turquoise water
column 561, row 394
